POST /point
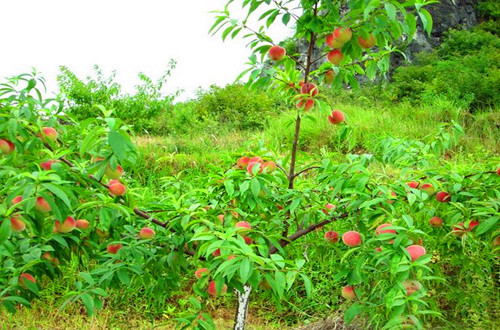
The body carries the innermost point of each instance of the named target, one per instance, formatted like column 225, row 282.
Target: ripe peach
column 498, row 171
column 309, row 88
column 50, row 133
column 367, row 43
column 248, row 240
column 17, row 199
column 242, row 163
column 329, row 76
column 472, row 224
column 332, row 236
column 392, row 197
column 415, row 251
column 146, row 233
column 216, row 253
column 443, row 197
column 42, row 205
column 114, row 248
column 251, row 166
column 380, row 229
column 307, row 105
column 351, row 238
column 117, row 189
column 459, row 229
column 254, row 159
column 276, row 53
column 6, row 146
column 411, row 287
column 82, row 224
column 16, row 224
column 200, row 272
column 436, row 222
column 26, row 276
column 428, row 188
column 231, row 257
column 342, row 34
column 412, row 184
column 243, row 226
column 333, row 43
column 336, row 117
column 328, row 208
column 269, row 166
column 113, row 173
column 212, row 290
column 348, row 292
column 335, row 56
column 68, row 225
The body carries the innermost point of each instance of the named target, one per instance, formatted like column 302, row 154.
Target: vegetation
column 377, row 207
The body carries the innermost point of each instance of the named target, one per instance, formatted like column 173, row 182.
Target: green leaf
column 58, row 192
column 123, row 276
column 4, row 231
column 307, row 284
column 255, row 187
column 246, row 269
column 286, row 18
column 88, row 302
column 484, row 226
column 391, row 10
column 426, row 19
column 351, row 312
column 121, row 145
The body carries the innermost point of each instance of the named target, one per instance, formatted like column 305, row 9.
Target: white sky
column 122, row 35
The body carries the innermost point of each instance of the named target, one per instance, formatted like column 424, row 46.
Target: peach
column 412, row 184
column 17, row 199
column 496, row 241
column 472, row 224
column 248, row 240
column 68, row 225
column 114, row 248
column 498, row 171
column 200, row 272
column 378, row 249
column 459, row 229
column 6, row 146
column 42, row 205
column 380, row 229
column 436, row 222
column 411, row 287
column 336, row 117
column 242, row 163
column 146, row 233
column 231, row 257
column 367, row 43
column 333, row 43
column 117, row 189
column 348, row 292
column 82, row 224
column 328, row 208
column 443, row 197
column 342, row 34
column 392, row 197
column 243, row 226
column 113, row 173
column 335, row 56
column 26, row 276
column 351, row 238
column 269, row 166
column 212, row 290
column 276, row 53
column 332, row 236
column 216, row 253
column 251, row 166
column 50, row 133
column 428, row 188
column 309, row 88
column 47, row 165
column 415, row 251
column 307, row 105
column 221, row 218
column 329, row 76
column 16, row 224
column 254, row 159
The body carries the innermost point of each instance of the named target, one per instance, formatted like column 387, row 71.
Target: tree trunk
column 241, row 314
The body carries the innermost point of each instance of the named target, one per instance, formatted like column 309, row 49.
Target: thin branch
column 305, row 170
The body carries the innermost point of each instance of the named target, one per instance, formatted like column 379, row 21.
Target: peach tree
column 68, row 197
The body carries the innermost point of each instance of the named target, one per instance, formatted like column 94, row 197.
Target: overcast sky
column 122, row 35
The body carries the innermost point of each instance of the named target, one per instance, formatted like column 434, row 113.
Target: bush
column 463, row 69
column 243, row 109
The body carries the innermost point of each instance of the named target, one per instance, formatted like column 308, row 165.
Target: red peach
column 146, row 233
column 42, row 205
column 367, row 43
column 26, row 276
column 17, row 199
column 335, row 56
column 276, row 53
column 307, row 105
column 443, row 197
column 428, row 188
column 309, row 88
column 348, row 292
column 82, row 224
column 68, row 225
column 6, row 146
column 216, row 253
column 351, row 238
column 415, row 251
column 50, row 133
column 436, row 222
column 251, row 166
column 332, row 236
column 114, row 248
column 380, row 229
column 113, row 173
column 269, row 166
column 212, row 290
column 117, row 189
column 411, row 287
column 336, row 117
column 329, row 76
column 332, row 42
column 242, row 163
column 200, row 272
column 16, row 224
column 412, row 184
column 243, row 226
column 342, row 34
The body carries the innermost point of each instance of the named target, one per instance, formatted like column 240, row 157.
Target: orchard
column 68, row 196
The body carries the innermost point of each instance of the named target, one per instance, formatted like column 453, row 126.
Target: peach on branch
column 412, row 184
column 269, row 166
column 216, row 253
column 428, row 188
column 443, row 197
column 50, row 133
column 212, row 290
column 328, row 208
column 114, row 248
column 146, row 233
column 336, row 117
column 415, row 251
column 255, row 159
column 17, row 199
column 332, row 236
column 436, row 222
column 252, row 165
column 243, row 226
column 498, row 171
column 307, row 105
column 247, row 240
column 242, row 163
column 368, row 42
column 6, row 146
column 42, row 205
column 68, row 225
column 221, row 218
column 309, row 88
column 201, row 272
column 352, row 238
column 82, row 224
column 472, row 224
column 26, row 277
column 335, row 57
column 329, row 76
column 333, row 43
column 276, row 53
column 117, row 188
column 16, row 224
column 380, row 229
column 459, row 229
column 348, row 292
column 113, row 173
column 342, row 34
column 47, row 165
